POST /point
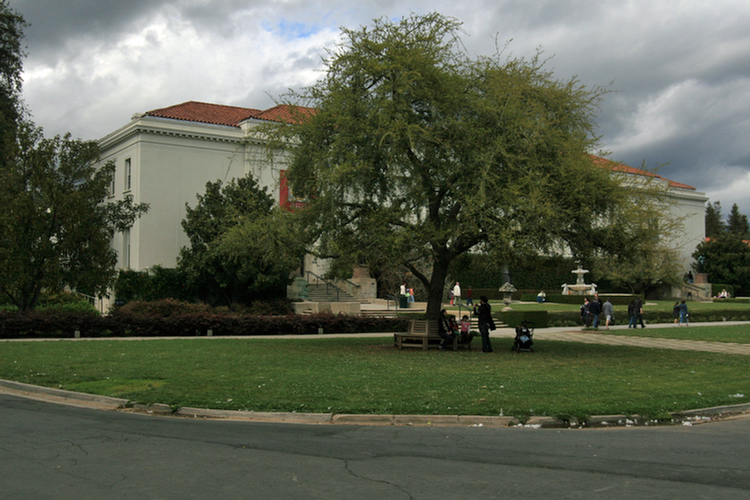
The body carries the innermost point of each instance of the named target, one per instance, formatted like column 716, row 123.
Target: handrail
column 330, row 283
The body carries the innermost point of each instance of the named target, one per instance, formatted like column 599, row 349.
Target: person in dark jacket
column 484, row 311
column 638, row 310
column 595, row 309
column 446, row 330
column 585, row 312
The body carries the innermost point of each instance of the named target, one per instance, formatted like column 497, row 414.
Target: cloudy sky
column 680, row 69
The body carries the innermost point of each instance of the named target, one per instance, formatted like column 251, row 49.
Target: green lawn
column 368, row 375
column 736, row 333
column 650, row 306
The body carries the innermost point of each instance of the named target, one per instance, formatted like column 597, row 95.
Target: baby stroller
column 524, row 335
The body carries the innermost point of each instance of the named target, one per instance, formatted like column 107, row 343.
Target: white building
column 685, row 203
column 166, row 156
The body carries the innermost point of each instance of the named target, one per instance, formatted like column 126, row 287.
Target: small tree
column 241, row 246
column 56, row 225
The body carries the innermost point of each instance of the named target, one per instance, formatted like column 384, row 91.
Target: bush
column 175, row 319
column 165, row 307
column 540, row 319
column 616, row 300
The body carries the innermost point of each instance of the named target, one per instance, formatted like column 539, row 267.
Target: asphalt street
column 57, row 451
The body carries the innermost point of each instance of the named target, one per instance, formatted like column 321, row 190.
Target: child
column 465, row 325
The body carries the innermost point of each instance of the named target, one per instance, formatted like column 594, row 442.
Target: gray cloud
column 681, row 69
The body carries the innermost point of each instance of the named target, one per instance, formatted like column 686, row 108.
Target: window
column 128, row 174
column 126, row 249
column 112, row 184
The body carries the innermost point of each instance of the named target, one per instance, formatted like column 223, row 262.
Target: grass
column 367, row 375
column 735, row 333
column 650, row 305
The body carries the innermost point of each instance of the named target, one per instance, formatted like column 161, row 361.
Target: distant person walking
column 469, row 300
column 595, row 309
column 638, row 309
column 585, row 312
column 609, row 314
column 456, row 294
column 683, row 313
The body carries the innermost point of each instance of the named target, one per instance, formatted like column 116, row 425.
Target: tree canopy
column 418, row 153
column 56, row 225
column 12, row 27
column 737, row 223
column 715, row 225
column 241, row 246
column 726, row 260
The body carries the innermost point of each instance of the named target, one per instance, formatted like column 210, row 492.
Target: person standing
column 631, row 314
column 609, row 313
column 638, row 309
column 595, row 309
column 683, row 313
column 456, row 294
column 585, row 312
column 676, row 313
column 484, row 312
column 469, row 300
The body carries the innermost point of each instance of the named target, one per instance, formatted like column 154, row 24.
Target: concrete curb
column 80, row 399
column 61, row 396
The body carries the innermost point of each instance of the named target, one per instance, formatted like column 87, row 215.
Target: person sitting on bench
column 446, row 329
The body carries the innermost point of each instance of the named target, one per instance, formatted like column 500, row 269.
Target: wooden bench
column 424, row 334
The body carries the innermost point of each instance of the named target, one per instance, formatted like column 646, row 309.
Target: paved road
column 54, row 451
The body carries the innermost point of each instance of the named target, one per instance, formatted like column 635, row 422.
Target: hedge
column 616, row 300
column 58, row 324
column 540, row 319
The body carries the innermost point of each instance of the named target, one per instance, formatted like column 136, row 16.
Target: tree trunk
column 436, row 289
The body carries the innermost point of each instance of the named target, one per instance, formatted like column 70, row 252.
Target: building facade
column 166, row 156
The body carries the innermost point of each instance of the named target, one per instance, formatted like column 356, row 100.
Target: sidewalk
column 598, row 337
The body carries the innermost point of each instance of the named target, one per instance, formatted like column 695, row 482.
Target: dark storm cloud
column 54, row 22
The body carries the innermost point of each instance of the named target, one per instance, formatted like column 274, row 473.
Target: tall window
column 126, row 249
column 128, row 174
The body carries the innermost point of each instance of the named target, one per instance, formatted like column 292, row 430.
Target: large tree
column 418, row 153
column 726, row 260
column 12, row 26
column 242, row 247
column 56, row 225
column 737, row 223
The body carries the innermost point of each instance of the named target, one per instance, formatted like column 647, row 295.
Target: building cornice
column 144, row 125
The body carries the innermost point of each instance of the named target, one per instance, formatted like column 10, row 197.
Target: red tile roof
column 621, row 167
column 231, row 116
column 286, row 113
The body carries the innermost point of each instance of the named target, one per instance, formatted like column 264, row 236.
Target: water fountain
column 580, row 287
